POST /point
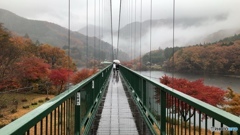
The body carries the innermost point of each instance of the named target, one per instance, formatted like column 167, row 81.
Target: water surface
column 220, row 81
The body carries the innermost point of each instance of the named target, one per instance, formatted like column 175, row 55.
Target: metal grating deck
column 116, row 118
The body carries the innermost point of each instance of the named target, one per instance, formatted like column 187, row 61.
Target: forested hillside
column 159, row 56
column 221, row 57
column 50, row 33
column 24, row 64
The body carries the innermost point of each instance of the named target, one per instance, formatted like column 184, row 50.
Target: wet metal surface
column 116, row 117
column 117, row 113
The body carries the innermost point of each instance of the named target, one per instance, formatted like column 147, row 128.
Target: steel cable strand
column 119, row 23
column 111, row 28
column 150, row 37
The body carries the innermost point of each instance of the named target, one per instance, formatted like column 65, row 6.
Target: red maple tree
column 82, row 74
column 32, row 69
column 59, row 77
column 209, row 94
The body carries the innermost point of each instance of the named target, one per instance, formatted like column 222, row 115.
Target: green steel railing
column 70, row 113
column 168, row 111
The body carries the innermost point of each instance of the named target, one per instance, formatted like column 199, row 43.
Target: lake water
column 222, row 82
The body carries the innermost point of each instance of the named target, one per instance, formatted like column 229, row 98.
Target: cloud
column 195, row 19
column 57, row 10
column 188, row 31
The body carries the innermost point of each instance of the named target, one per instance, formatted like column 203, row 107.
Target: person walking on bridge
column 114, row 68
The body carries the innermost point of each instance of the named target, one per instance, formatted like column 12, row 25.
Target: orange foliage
column 23, row 63
column 93, row 63
column 20, row 41
column 56, row 57
column 134, row 64
column 128, row 64
column 32, row 68
column 207, row 58
column 232, row 102
column 82, row 74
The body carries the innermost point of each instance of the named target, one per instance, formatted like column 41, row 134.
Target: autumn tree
column 23, row 63
column 127, row 64
column 134, row 64
column 56, row 57
column 214, row 58
column 59, row 77
column 9, row 54
column 209, row 94
column 232, row 103
column 232, row 55
column 82, row 74
column 93, row 63
column 32, row 70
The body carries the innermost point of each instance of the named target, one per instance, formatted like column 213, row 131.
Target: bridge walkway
column 116, row 117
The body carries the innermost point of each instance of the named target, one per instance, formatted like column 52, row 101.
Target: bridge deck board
column 116, row 118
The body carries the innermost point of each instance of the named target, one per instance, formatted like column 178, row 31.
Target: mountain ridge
column 53, row 34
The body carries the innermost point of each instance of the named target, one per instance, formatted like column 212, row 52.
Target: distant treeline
column 222, row 57
column 159, row 56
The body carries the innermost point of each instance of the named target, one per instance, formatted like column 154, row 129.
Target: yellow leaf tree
column 232, row 104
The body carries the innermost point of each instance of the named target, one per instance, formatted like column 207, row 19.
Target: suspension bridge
column 123, row 104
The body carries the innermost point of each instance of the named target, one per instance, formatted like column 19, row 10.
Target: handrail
column 136, row 83
column 63, row 104
column 60, row 114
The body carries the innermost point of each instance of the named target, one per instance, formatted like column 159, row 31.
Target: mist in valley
column 196, row 22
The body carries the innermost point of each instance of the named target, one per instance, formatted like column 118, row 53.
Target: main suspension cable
column 140, row 36
column 131, row 12
column 111, row 29
column 135, row 36
column 119, row 23
column 99, row 33
column 94, row 49
column 150, row 37
column 102, row 26
column 69, row 36
column 87, row 33
column 68, row 85
column 173, row 71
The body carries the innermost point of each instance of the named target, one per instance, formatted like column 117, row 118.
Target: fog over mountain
column 94, row 31
column 187, row 31
column 53, row 34
column 197, row 21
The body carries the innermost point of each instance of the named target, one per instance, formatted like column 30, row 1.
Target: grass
column 15, row 105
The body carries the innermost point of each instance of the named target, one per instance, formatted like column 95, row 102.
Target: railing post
column 144, row 92
column 77, row 130
column 163, row 112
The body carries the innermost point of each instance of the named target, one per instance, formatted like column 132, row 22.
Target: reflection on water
column 222, row 82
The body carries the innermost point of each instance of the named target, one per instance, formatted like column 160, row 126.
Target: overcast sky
column 56, row 11
column 213, row 15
